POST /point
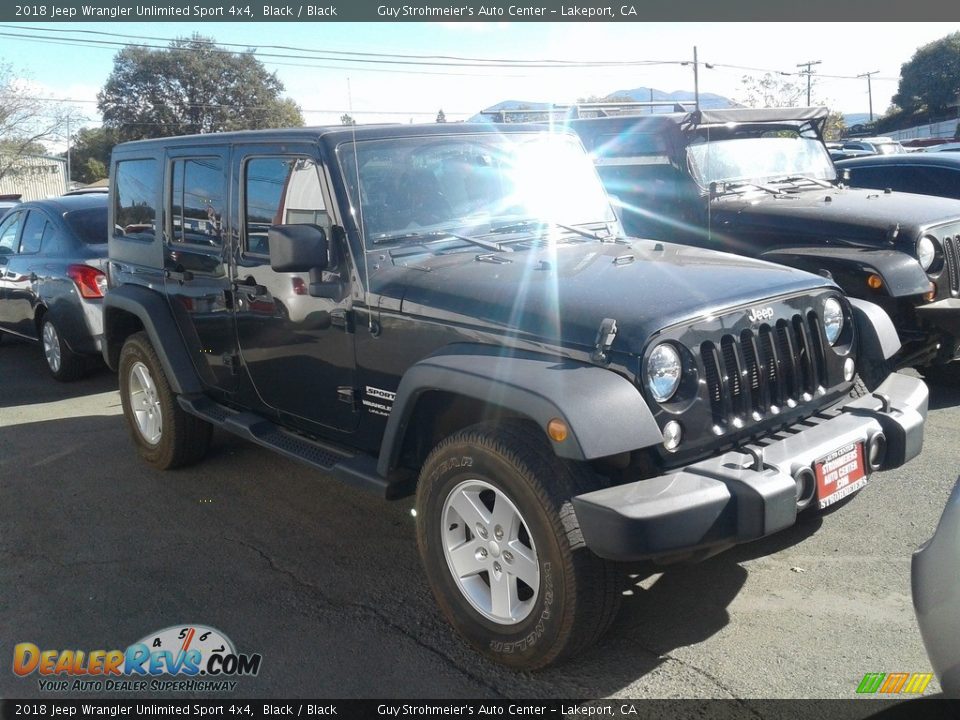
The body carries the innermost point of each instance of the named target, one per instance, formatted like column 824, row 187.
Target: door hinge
column 345, row 393
column 341, row 317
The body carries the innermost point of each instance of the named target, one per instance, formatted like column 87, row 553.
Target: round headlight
column 832, row 320
column 663, row 372
column 926, row 251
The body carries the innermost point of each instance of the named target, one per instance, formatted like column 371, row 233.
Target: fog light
column 849, row 367
column 672, row 434
column 557, row 430
column 874, row 281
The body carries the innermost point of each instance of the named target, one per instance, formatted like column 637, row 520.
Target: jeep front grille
column 761, row 371
column 951, row 258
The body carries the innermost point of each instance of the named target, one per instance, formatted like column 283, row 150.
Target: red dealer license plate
column 839, row 474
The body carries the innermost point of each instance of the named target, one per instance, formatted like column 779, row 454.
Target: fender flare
column 878, row 335
column 901, row 273
column 605, row 412
column 154, row 313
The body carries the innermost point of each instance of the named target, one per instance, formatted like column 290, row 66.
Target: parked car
column 52, row 280
column 877, row 145
column 944, row 147
column 913, row 173
column 477, row 330
column 935, row 576
column 760, row 183
column 8, row 202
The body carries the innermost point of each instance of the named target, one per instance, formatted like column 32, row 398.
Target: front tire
column 64, row 364
column 502, row 549
column 165, row 435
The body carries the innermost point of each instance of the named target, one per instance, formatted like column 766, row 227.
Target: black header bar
column 859, row 11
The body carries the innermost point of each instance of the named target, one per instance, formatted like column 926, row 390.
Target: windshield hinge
column 606, row 334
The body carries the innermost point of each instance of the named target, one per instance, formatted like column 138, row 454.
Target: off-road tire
column 579, row 593
column 946, row 374
column 184, row 438
column 68, row 365
column 870, row 375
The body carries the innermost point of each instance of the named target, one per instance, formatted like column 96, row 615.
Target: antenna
column 363, row 235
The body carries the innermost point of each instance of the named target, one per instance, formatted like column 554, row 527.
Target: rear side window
column 33, row 230
column 135, row 200
column 197, row 201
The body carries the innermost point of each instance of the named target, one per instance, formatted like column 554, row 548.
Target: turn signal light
column 874, row 281
column 557, row 430
column 931, row 294
column 90, row 281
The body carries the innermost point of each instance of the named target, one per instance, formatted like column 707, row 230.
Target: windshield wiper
column 795, row 178
column 441, row 235
column 725, row 187
column 525, row 224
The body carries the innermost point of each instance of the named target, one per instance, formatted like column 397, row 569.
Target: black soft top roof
column 333, row 134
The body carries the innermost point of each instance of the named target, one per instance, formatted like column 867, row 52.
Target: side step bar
column 357, row 469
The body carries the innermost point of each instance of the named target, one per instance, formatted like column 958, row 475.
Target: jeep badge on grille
column 758, row 314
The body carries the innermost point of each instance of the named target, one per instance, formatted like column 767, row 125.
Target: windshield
column 759, row 160
column 470, row 184
column 90, row 225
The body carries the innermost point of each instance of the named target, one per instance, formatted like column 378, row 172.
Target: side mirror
column 298, row 248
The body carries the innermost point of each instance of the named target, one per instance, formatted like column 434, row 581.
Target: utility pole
column 68, row 154
column 869, row 90
column 809, row 73
column 696, row 77
column 696, row 81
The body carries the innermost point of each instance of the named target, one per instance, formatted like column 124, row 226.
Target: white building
column 34, row 177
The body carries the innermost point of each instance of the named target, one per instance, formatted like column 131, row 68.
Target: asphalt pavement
column 97, row 550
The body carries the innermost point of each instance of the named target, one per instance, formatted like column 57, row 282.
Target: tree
column 441, row 117
column 346, row 119
column 90, row 154
column 191, row 87
column 930, row 80
column 25, row 120
column 771, row 91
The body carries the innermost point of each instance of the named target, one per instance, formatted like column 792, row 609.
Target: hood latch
column 606, row 334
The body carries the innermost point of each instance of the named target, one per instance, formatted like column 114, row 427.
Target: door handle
column 180, row 276
column 249, row 286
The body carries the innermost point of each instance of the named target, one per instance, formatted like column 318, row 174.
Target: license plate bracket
column 840, row 474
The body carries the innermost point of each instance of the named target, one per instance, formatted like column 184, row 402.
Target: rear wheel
column 946, row 374
column 165, row 435
column 64, row 364
column 502, row 549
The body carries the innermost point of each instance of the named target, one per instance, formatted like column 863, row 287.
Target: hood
column 868, row 216
column 560, row 294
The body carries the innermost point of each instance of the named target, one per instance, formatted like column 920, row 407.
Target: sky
column 57, row 67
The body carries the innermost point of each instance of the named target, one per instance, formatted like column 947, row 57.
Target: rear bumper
column 734, row 498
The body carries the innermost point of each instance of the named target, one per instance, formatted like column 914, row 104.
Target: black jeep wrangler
column 453, row 311
column 761, row 183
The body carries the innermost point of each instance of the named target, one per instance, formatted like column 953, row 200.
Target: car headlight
column 663, row 372
column 832, row 320
column 926, row 251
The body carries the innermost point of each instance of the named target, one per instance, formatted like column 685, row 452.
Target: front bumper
column 943, row 315
column 746, row 494
column 935, row 577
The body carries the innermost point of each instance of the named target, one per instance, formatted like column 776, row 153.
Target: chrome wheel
column 145, row 403
column 490, row 552
column 51, row 346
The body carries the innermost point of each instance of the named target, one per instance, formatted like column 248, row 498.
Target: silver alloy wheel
column 490, row 552
column 145, row 403
column 51, row 346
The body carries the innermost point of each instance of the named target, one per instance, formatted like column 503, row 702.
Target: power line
column 809, row 73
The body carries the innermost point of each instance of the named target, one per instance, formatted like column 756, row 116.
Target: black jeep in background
column 453, row 311
column 761, row 183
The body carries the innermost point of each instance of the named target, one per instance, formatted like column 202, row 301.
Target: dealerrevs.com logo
column 179, row 658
